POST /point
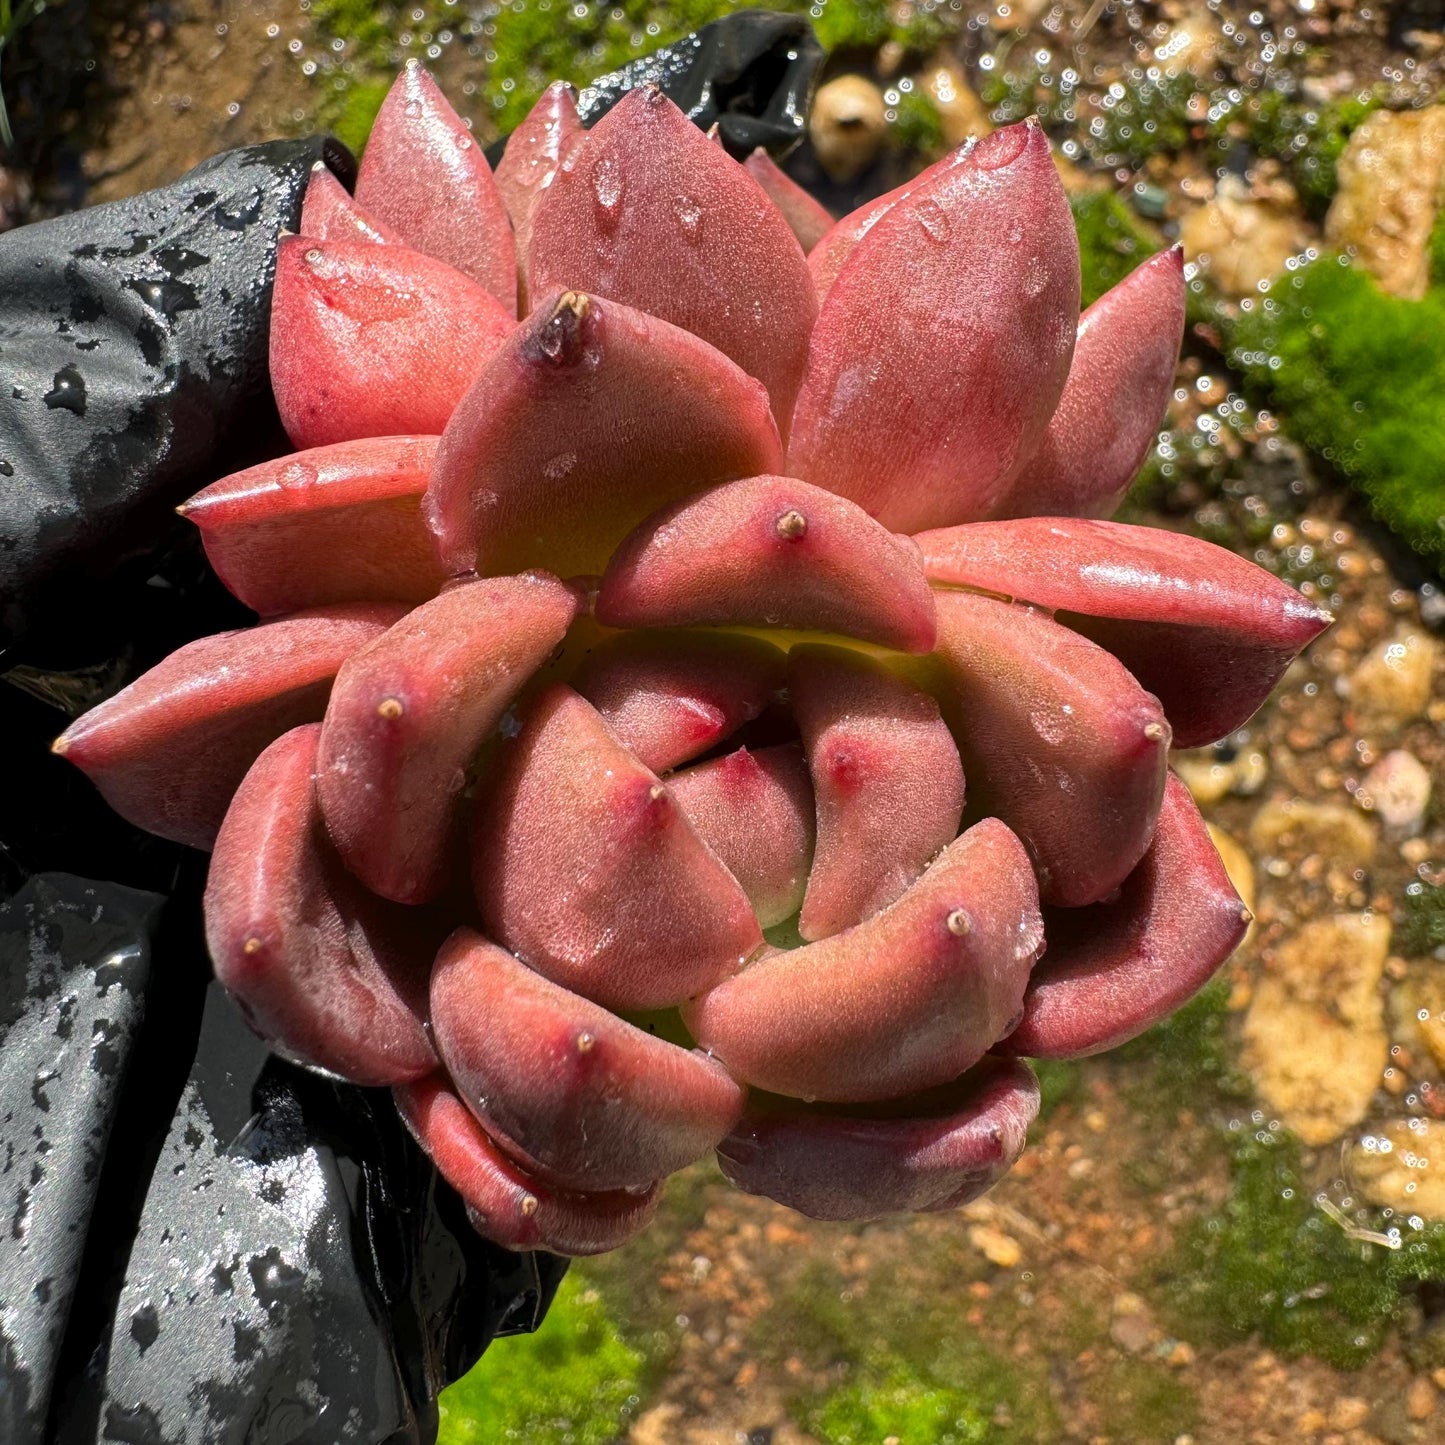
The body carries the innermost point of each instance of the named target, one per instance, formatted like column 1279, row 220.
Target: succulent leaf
column 504, row 1204
column 371, row 340
column 934, row 1151
column 649, row 212
column 807, row 220
column 1114, row 400
column 943, row 346
column 324, row 970
column 579, row 1097
column 1116, row 968
column 755, row 811
column 671, row 696
column 1057, row 739
column 1206, row 631
column 907, row 1000
column 424, row 175
column 590, row 417
column 587, row 869
column 335, row 524
column 887, row 778
column 329, row 213
column 169, row 751
column 775, row 552
column 408, row 713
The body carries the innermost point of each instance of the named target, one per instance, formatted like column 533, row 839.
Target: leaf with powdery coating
column 505, row 1204
column 1114, row 400
column 578, row 1096
column 534, row 152
column 326, row 973
column 424, row 175
column 1117, row 968
column 887, row 778
column 329, row 213
column 905, row 1001
column 1057, row 739
column 373, row 340
column 775, row 552
column 590, row 417
column 932, row 1151
column 755, row 811
column 335, row 524
column 648, row 211
column 168, row 751
column 807, row 220
column 1208, row 632
column 586, row 868
column 670, row 696
column 942, row 348
column 408, row 713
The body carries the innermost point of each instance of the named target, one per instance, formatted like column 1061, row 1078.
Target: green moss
column 351, row 115
column 1357, row 377
column 900, row 1404
column 574, row 1382
column 917, row 127
column 1192, row 1058
column 1143, row 1401
column 1307, row 140
column 1112, row 240
column 1270, row 1263
column 867, row 24
column 1420, row 928
column 1437, row 250
column 1059, row 1083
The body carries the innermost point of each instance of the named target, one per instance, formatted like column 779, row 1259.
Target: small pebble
column 1397, row 791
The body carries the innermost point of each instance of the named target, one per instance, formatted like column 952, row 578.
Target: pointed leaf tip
column 424, row 175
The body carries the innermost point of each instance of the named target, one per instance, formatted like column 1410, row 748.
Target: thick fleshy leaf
column 408, row 714
column 577, row 1096
column 590, row 417
column 829, row 254
column 335, row 524
column 671, row 696
column 329, row 213
column 942, row 348
column 329, row 975
column 1209, row 633
column 887, row 778
column 586, row 868
column 534, row 152
column 807, row 220
column 1116, row 968
column 374, row 340
column 503, row 1203
column 770, row 551
column 1057, row 739
column 935, row 1151
column 168, row 751
column 651, row 213
column 424, row 175
column 905, row 1001
column 1114, row 401
column 755, row 811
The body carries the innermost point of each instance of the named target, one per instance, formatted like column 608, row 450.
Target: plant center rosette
column 709, row 712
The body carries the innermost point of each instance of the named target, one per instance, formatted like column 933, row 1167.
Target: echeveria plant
column 709, row 712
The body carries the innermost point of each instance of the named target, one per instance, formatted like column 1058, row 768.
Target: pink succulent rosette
column 709, row 712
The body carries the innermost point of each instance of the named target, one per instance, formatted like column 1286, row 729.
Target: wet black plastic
column 751, row 74
column 204, row 1244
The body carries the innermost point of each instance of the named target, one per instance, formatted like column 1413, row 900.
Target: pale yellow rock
column 995, row 1246
column 1397, row 791
column 1315, row 1037
column 1349, row 1412
column 960, row 111
column 1402, row 1167
column 1240, row 242
column 1391, row 187
column 1392, row 685
column 1417, row 1009
column 847, row 125
column 1237, row 866
column 1292, row 825
column 1209, row 778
